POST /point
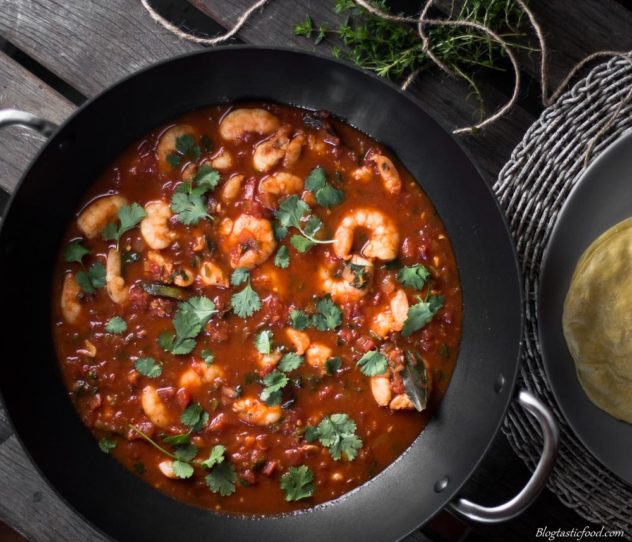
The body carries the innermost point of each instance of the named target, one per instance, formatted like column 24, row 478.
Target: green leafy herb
column 92, row 279
column 263, row 342
column 298, row 483
column 245, row 302
column 148, row 367
column 75, row 252
column 415, row 380
column 129, row 216
column 190, row 318
column 186, row 147
column 360, row 275
column 274, row 383
column 300, row 319
column 293, row 212
column 336, row 432
column 188, row 200
column 421, row 313
column 326, row 195
column 290, row 362
column 372, row 363
column 207, row 356
column 194, row 417
column 282, row 257
column 414, row 276
column 116, row 325
column 215, row 457
column 333, row 365
column 162, row 290
column 177, row 440
column 222, row 479
column 106, row 445
column 328, row 315
column 182, row 469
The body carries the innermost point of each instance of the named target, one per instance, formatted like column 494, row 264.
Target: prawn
column 383, row 236
column 155, row 226
column 240, row 122
column 98, row 214
column 254, row 411
column 249, row 241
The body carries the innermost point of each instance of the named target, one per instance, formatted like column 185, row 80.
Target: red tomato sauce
column 100, row 367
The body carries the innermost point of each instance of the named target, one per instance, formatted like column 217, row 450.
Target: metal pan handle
column 535, row 485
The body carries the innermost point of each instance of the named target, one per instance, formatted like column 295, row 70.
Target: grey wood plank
column 92, row 44
column 19, row 89
column 31, row 507
column 5, row 429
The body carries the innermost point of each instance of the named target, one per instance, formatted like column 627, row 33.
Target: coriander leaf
column 312, row 226
column 206, row 144
column 290, row 362
column 337, row 432
column 91, row 280
column 300, row 319
column 332, row 365
column 280, row 231
column 148, row 367
column 116, row 325
column 206, row 178
column 182, row 470
column 291, row 211
column 300, row 243
column 316, row 179
column 326, row 195
column 106, row 445
column 177, row 440
column 75, row 252
column 202, row 307
column 372, row 363
column 189, row 208
column 207, row 356
column 239, row 276
column 184, row 143
column 414, row 276
column 166, row 340
column 311, row 433
column 298, row 483
column 282, row 257
column 110, row 232
column 194, row 417
column 215, row 457
column 421, row 314
column 186, row 452
column 328, row 316
column 246, row 302
column 222, row 479
column 129, row 216
column 274, row 383
column 263, row 342
column 174, row 159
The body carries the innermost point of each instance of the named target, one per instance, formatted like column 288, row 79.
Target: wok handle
column 535, row 485
column 10, row 117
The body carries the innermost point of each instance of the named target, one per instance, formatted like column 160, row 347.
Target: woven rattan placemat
column 532, row 188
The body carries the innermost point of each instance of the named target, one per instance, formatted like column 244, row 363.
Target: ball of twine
column 532, row 188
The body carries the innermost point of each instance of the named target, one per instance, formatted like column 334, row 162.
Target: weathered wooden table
column 54, row 54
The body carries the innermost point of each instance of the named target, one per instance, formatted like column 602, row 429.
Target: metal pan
column 424, row 479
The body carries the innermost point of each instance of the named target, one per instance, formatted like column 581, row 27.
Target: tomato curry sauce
column 256, row 308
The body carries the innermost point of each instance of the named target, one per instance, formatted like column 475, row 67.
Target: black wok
column 422, row 481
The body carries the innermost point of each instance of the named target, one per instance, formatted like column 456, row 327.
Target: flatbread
column 597, row 320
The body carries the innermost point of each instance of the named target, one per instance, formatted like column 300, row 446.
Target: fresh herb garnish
column 333, row 365
column 177, row 440
column 282, row 257
column 274, row 383
column 129, row 216
column 148, row 367
column 75, row 252
column 421, row 313
column 300, row 319
column 290, row 362
column 116, row 325
column 328, row 315
column 216, row 456
column 222, row 477
column 326, row 195
column 194, row 417
column 246, row 302
column 207, row 356
column 336, row 432
column 190, row 318
column 372, row 363
column 293, row 212
column 298, row 483
column 92, row 279
column 106, row 445
column 263, row 342
column 188, row 200
column 414, row 276
column 187, row 148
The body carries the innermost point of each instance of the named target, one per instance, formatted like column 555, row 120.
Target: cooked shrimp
column 267, row 361
column 317, row 354
column 98, row 214
column 158, row 267
column 270, row 152
column 200, row 373
column 392, row 318
column 381, row 388
column 388, row 172
column 167, row 143
column 249, row 241
column 222, row 160
column 299, row 339
column 383, row 242
column 352, row 285
column 401, row 402
column 154, row 408
column 363, row 174
column 70, row 306
column 115, row 284
column 240, row 122
column 278, row 184
column 183, row 277
column 155, row 226
column 254, row 411
column 294, row 149
column 231, row 188
column 212, row 275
